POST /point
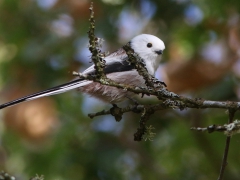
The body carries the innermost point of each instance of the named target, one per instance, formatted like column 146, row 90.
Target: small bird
column 117, row 68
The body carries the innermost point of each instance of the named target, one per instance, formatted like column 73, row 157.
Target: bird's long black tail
column 55, row 90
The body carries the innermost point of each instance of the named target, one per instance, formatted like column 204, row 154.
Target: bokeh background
column 43, row 41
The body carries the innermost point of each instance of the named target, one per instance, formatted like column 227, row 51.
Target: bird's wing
column 115, row 62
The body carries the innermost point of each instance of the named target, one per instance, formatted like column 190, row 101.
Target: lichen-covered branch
column 139, row 64
column 97, row 56
column 130, row 108
column 146, row 113
column 153, row 87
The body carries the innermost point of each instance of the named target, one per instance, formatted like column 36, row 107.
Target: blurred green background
column 43, row 41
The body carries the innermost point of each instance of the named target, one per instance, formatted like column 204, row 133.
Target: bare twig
column 228, row 129
column 225, row 155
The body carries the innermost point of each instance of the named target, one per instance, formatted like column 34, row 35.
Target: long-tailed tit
column 117, row 68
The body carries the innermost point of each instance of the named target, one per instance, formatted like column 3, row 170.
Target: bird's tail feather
column 55, row 90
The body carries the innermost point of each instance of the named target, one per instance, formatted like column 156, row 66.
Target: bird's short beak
column 159, row 52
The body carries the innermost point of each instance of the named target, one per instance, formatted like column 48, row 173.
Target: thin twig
column 130, row 108
column 227, row 144
column 228, row 129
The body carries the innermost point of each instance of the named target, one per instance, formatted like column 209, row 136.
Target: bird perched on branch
column 117, row 68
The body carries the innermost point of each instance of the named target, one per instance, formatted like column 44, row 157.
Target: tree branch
column 140, row 65
column 97, row 56
column 228, row 129
column 153, row 87
column 146, row 113
column 227, row 144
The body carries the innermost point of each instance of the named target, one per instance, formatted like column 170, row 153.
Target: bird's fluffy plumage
column 117, row 68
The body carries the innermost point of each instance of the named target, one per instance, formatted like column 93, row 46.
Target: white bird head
column 149, row 48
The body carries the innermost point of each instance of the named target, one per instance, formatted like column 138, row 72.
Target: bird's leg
column 135, row 104
column 114, row 105
column 116, row 112
column 163, row 83
column 133, row 100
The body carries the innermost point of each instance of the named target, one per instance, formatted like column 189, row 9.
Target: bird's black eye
column 149, row 45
